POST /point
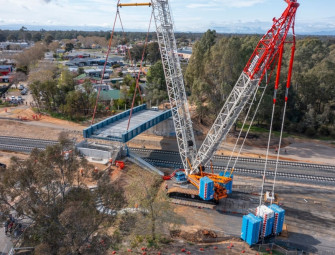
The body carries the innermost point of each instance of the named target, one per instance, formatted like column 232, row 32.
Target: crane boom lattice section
column 174, row 81
column 240, row 95
column 261, row 60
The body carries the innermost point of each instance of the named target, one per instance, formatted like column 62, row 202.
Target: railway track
column 253, row 172
column 287, row 170
column 292, row 171
column 243, row 159
column 25, row 145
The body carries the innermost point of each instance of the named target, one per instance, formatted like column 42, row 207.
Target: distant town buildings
column 185, row 53
column 14, row 45
column 81, row 62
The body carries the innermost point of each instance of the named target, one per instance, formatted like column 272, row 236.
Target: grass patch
column 326, row 138
column 62, row 116
column 261, row 130
column 5, row 104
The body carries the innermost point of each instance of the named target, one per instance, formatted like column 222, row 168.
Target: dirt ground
column 27, row 113
column 181, row 246
column 6, row 156
column 46, row 127
column 21, row 129
column 294, row 149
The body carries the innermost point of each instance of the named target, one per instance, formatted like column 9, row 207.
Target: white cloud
column 225, row 3
column 189, row 15
column 239, row 3
column 194, row 6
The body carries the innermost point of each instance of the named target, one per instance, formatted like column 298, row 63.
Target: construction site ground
column 46, row 127
column 310, row 214
column 310, row 209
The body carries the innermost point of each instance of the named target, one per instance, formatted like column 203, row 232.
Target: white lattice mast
column 174, row 82
column 265, row 53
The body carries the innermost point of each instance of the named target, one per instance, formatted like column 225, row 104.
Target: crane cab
column 180, row 177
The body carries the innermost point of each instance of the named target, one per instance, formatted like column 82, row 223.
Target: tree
column 28, row 37
column 23, row 31
column 47, row 189
column 81, row 70
column 53, row 46
column 37, row 37
column 136, row 52
column 42, row 72
column 2, row 37
column 156, row 85
column 29, row 57
column 201, row 49
column 45, row 94
column 157, row 214
column 69, row 47
column 48, row 39
column 212, row 72
column 12, row 38
column 153, row 53
column 18, row 77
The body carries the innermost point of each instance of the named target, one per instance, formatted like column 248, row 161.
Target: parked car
column 13, row 98
column 21, row 87
column 19, row 98
column 24, row 91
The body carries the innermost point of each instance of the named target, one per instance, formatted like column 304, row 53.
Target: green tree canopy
column 47, row 189
column 156, row 85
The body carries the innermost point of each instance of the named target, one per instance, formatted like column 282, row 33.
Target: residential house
column 185, row 53
column 109, row 95
column 5, row 69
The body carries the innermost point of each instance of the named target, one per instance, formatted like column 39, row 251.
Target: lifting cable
column 139, row 73
column 272, row 116
column 240, row 133
column 132, row 63
column 267, row 81
column 267, row 152
column 244, row 122
column 288, row 84
column 104, row 69
column 251, row 123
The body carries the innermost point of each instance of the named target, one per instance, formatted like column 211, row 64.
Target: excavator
column 267, row 54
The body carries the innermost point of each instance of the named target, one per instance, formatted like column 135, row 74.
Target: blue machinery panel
column 250, row 228
column 206, row 190
column 126, row 136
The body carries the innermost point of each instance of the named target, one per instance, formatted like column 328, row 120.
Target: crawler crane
column 268, row 53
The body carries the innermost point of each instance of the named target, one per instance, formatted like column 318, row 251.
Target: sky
column 225, row 16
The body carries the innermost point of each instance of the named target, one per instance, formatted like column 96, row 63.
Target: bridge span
column 115, row 128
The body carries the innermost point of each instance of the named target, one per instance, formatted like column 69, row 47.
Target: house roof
column 80, row 77
column 185, row 52
column 110, row 94
column 5, row 66
column 95, row 78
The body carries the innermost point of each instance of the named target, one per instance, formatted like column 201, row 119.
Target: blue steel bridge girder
column 115, row 127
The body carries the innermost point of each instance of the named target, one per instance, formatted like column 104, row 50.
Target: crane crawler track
column 190, row 195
